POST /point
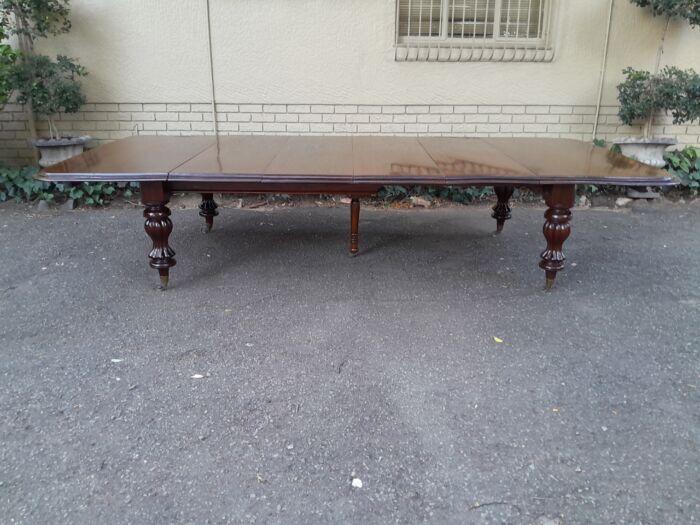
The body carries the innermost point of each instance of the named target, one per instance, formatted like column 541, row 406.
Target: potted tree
column 45, row 86
column 52, row 87
column 644, row 94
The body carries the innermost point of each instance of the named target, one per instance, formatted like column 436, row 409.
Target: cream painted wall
column 139, row 50
column 341, row 52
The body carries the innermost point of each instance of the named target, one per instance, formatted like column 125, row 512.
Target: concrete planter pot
column 647, row 151
column 57, row 150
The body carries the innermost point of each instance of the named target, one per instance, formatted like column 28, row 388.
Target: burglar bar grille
column 474, row 30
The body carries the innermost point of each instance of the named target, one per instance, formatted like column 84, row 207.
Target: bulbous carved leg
column 158, row 227
column 208, row 210
column 354, row 226
column 557, row 228
column 501, row 210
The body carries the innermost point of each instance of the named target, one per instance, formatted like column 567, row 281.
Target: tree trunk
column 26, row 46
column 657, row 67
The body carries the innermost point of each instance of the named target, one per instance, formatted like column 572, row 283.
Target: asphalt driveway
column 320, row 371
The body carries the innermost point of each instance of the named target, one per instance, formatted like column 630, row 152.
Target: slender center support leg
column 208, row 210
column 557, row 227
column 158, row 226
column 354, row 226
column 501, row 210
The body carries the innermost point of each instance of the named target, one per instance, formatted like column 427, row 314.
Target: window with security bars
column 474, row 30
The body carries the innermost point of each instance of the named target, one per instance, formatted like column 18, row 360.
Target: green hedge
column 685, row 164
column 20, row 184
column 451, row 193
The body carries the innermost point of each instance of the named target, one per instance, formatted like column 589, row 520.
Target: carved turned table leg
column 208, row 210
column 158, row 226
column 501, row 210
column 557, row 227
column 354, row 226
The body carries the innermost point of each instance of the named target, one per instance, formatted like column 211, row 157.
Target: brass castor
column 164, row 280
column 549, row 280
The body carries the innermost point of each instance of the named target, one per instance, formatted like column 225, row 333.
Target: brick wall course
column 110, row 121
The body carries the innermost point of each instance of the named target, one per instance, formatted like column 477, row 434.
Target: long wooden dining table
column 353, row 166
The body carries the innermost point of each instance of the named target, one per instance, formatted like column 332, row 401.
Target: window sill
column 477, row 52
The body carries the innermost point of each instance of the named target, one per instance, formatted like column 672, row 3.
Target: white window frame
column 446, row 48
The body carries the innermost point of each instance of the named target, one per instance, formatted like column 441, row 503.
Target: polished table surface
column 356, row 160
column 355, row 166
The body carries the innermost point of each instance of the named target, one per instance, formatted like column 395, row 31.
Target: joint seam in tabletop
column 227, row 177
column 518, row 162
column 302, row 178
column 207, row 148
column 420, row 143
column 538, row 175
column 264, row 173
column 485, row 180
column 467, row 181
column 110, row 176
column 669, row 180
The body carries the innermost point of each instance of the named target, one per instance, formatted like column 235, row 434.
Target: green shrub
column 20, row 184
column 685, row 164
column 8, row 58
column 52, row 86
column 450, row 193
column 90, row 193
column 642, row 94
column 35, row 18
column 687, row 9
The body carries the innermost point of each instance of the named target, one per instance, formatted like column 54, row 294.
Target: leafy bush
column 92, row 194
column 20, row 184
column 451, row 193
column 52, row 86
column 35, row 18
column 687, row 9
column 642, row 94
column 685, row 164
column 8, row 58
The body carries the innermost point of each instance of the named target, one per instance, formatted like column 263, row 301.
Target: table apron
column 271, row 187
column 361, row 190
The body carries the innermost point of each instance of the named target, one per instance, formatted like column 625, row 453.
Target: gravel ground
column 320, row 370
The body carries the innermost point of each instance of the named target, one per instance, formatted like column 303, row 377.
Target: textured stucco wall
column 149, row 69
column 138, row 50
column 341, row 52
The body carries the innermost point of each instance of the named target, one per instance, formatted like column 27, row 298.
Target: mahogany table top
column 356, row 160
